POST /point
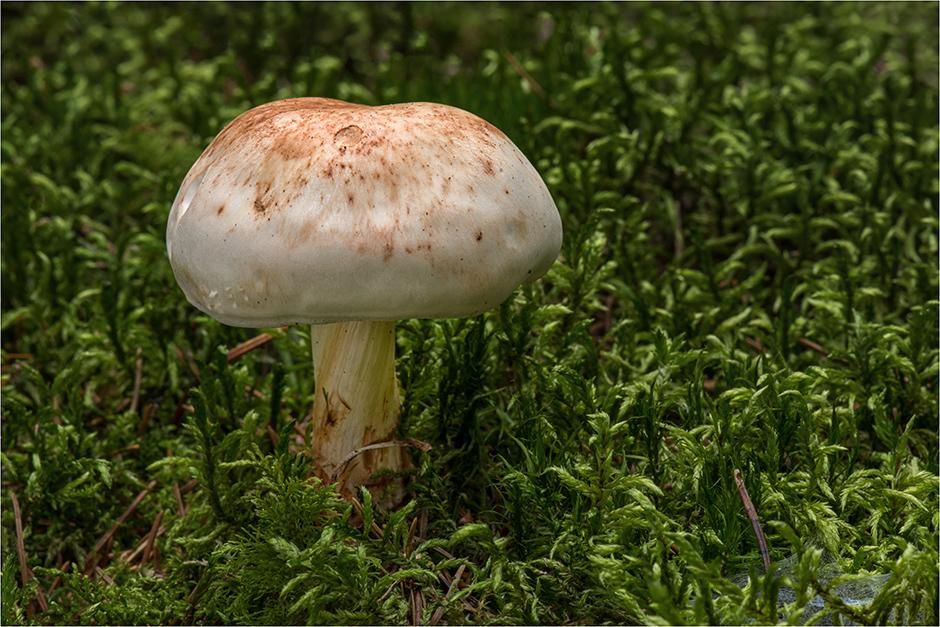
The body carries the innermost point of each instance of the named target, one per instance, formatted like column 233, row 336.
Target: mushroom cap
column 311, row 210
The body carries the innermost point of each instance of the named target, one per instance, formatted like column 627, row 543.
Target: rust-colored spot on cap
column 347, row 136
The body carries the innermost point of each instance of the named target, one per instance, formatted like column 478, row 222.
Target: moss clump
column 749, row 281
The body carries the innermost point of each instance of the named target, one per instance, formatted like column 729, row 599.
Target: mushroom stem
column 357, row 402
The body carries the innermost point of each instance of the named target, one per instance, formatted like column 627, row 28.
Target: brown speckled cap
column 312, row 210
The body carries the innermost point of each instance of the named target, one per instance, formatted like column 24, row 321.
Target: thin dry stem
column 755, row 521
column 138, row 377
column 92, row 562
column 250, row 345
column 517, row 67
column 418, row 444
column 20, row 543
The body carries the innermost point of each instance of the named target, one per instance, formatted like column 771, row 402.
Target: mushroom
column 348, row 218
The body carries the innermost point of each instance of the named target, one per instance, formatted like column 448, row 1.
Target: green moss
column 749, row 280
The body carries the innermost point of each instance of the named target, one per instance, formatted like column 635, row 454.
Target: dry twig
column 25, row 572
column 411, row 537
column 417, row 605
column 813, row 346
column 181, row 507
column 250, row 345
column 151, row 538
column 439, row 612
column 757, row 345
column 375, row 529
column 531, row 81
column 138, row 376
column 341, row 467
column 92, row 562
column 144, row 419
column 20, row 542
column 55, row 582
column 755, row 521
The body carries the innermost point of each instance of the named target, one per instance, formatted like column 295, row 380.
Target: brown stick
column 375, row 529
column 250, row 345
column 58, row 579
column 409, row 540
column 179, row 500
column 528, row 78
column 424, row 447
column 129, row 556
column 678, row 243
column 439, row 612
column 181, row 407
column 423, row 524
column 40, row 597
column 144, row 419
column 755, row 521
column 189, row 486
column 813, row 346
column 151, row 538
column 757, row 345
column 138, row 376
column 417, row 605
column 444, row 553
column 95, row 554
column 20, row 542
column 389, row 590
column 272, row 434
column 810, row 344
column 103, row 576
column 21, row 554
